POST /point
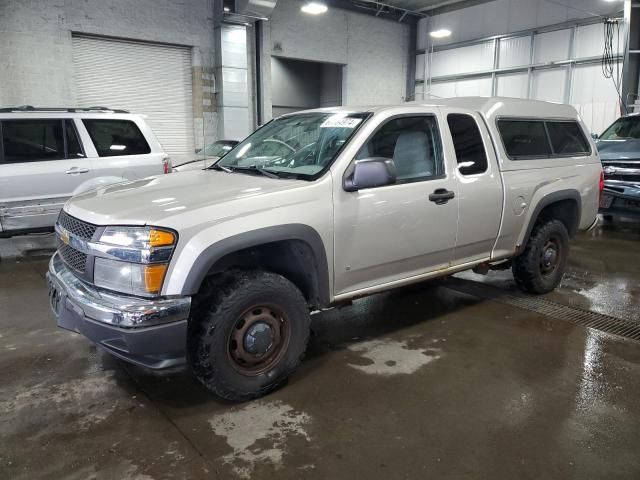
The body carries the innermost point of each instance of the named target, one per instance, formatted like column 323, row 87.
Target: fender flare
column 551, row 198
column 210, row 255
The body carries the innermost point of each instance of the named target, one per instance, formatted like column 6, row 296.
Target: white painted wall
column 508, row 16
column 373, row 50
column 593, row 95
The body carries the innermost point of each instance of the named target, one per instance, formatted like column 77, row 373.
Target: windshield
column 298, row 146
column 218, row 149
column 622, row 129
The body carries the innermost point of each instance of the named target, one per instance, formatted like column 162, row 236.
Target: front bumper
column 147, row 332
column 621, row 199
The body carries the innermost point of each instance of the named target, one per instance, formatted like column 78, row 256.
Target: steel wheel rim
column 258, row 339
column 550, row 257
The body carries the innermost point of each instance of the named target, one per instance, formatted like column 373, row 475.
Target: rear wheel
column 248, row 333
column 539, row 269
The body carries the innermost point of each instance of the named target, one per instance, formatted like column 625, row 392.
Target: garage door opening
column 145, row 78
column 300, row 85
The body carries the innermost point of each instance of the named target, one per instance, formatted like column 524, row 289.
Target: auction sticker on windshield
column 340, row 122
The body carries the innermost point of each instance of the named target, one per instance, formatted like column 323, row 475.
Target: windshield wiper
column 260, row 170
column 215, row 166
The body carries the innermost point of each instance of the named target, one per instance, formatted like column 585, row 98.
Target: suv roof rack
column 30, row 108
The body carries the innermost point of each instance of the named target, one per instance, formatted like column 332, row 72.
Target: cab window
column 413, row 143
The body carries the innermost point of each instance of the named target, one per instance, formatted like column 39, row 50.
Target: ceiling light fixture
column 314, row 8
column 442, row 33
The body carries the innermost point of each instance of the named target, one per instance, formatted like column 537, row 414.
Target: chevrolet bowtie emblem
column 64, row 236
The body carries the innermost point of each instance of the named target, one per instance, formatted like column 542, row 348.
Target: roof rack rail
column 30, row 108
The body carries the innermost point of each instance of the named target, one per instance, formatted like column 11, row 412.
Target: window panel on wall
column 514, row 52
column 590, row 41
column 552, row 46
column 594, row 96
column 473, row 58
column 472, row 87
column 514, row 85
column 420, row 59
column 441, row 90
column 549, row 84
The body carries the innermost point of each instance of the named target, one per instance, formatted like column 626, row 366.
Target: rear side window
column 567, row 138
column 522, row 138
column 116, row 137
column 32, row 140
column 467, row 141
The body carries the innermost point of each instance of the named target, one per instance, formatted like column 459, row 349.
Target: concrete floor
column 421, row 382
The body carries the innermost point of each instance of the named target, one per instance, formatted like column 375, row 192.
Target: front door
column 393, row 232
column 41, row 164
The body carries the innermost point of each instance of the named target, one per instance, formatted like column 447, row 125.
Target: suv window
column 567, row 138
column 468, row 144
column 414, row 145
column 524, row 138
column 32, row 140
column 116, row 137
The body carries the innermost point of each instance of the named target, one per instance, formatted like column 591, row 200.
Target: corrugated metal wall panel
column 154, row 80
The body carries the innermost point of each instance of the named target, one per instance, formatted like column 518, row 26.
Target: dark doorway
column 300, row 85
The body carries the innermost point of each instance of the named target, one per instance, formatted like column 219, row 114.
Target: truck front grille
column 72, row 257
column 79, row 228
column 622, row 178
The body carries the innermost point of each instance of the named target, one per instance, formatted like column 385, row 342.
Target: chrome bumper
column 149, row 332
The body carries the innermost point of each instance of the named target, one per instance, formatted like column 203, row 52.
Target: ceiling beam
column 450, row 5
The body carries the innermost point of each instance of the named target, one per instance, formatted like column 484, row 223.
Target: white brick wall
column 35, row 44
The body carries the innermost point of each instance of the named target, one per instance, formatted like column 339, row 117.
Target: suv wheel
column 248, row 333
column 540, row 267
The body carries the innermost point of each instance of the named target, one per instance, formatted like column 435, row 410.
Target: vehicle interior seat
column 412, row 155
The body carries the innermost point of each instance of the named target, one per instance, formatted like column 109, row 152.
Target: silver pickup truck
column 222, row 267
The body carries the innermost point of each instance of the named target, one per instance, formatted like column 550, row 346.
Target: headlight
column 135, row 259
column 131, row 278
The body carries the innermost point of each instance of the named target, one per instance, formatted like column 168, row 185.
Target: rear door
column 41, row 163
column 480, row 189
column 122, row 151
column 391, row 233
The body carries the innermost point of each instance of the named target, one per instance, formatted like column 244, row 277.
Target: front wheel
column 248, row 333
column 539, row 269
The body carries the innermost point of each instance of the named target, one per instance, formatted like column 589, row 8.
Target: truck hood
column 159, row 200
column 619, row 149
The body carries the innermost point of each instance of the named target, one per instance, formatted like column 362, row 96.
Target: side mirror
column 370, row 172
column 594, row 136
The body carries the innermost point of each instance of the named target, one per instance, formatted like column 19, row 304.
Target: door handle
column 76, row 170
column 441, row 196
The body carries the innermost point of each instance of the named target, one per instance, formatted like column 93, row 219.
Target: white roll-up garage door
column 151, row 79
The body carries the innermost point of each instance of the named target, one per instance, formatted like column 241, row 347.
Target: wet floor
column 421, row 382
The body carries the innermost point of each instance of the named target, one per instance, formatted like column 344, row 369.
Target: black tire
column 227, row 307
column 532, row 270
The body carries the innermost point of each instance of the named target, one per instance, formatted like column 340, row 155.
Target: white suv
column 48, row 155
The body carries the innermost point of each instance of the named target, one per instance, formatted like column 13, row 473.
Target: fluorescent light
column 314, row 8
column 442, row 33
column 226, row 9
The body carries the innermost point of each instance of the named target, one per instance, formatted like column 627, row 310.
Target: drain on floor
column 586, row 318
